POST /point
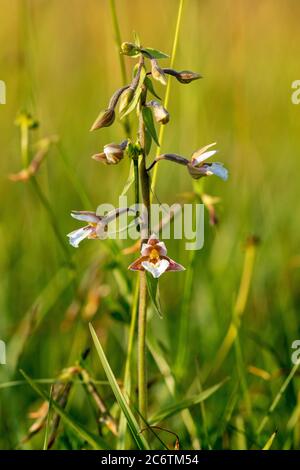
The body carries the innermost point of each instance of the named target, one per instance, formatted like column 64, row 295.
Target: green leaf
column 95, row 441
column 149, row 123
column 132, row 105
column 148, row 142
column 187, row 403
column 132, row 423
column 155, row 53
column 150, row 87
column 152, row 285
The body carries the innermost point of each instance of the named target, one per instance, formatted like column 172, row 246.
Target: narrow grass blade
column 187, row 403
column 277, row 398
column 132, row 423
column 95, row 441
column 269, row 442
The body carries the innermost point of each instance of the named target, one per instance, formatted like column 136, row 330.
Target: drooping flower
column 157, row 72
column 198, row 168
column 112, row 153
column 97, row 225
column 160, row 113
column 154, row 259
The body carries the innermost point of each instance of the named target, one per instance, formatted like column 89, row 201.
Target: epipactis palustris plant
column 129, row 98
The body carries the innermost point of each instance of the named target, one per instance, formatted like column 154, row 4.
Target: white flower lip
column 77, row 236
column 218, row 170
column 156, row 269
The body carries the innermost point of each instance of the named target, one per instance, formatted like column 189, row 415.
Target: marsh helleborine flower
column 154, row 259
column 157, row 72
column 112, row 153
column 197, row 168
column 97, row 225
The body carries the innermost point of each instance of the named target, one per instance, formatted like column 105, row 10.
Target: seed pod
column 104, row 119
column 185, row 76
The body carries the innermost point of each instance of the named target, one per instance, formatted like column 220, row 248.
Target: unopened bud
column 157, row 72
column 128, row 48
column 112, row 153
column 160, row 113
column 105, row 119
column 186, row 76
column 125, row 99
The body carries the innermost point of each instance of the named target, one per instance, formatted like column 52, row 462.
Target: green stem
column 127, row 374
column 142, row 373
column 145, row 230
column 25, row 145
column 167, row 96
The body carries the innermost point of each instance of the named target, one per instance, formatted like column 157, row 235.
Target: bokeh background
column 60, row 62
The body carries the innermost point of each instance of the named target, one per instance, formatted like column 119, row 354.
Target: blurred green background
column 60, row 62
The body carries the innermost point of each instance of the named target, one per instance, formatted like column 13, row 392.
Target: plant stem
column 145, row 230
column 25, row 145
column 128, row 365
column 142, row 373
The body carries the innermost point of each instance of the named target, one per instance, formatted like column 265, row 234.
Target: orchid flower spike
column 97, row 225
column 112, row 153
column 197, row 168
column 154, row 259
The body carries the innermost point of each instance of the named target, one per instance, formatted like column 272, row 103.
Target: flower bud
column 112, row 153
column 186, row 76
column 160, row 113
column 128, row 48
column 125, row 99
column 157, row 72
column 105, row 119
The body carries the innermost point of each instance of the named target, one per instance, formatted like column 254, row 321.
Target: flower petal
column 218, row 170
column 86, row 216
column 77, row 236
column 203, row 156
column 156, row 269
column 137, row 264
column 173, row 266
column 202, row 150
